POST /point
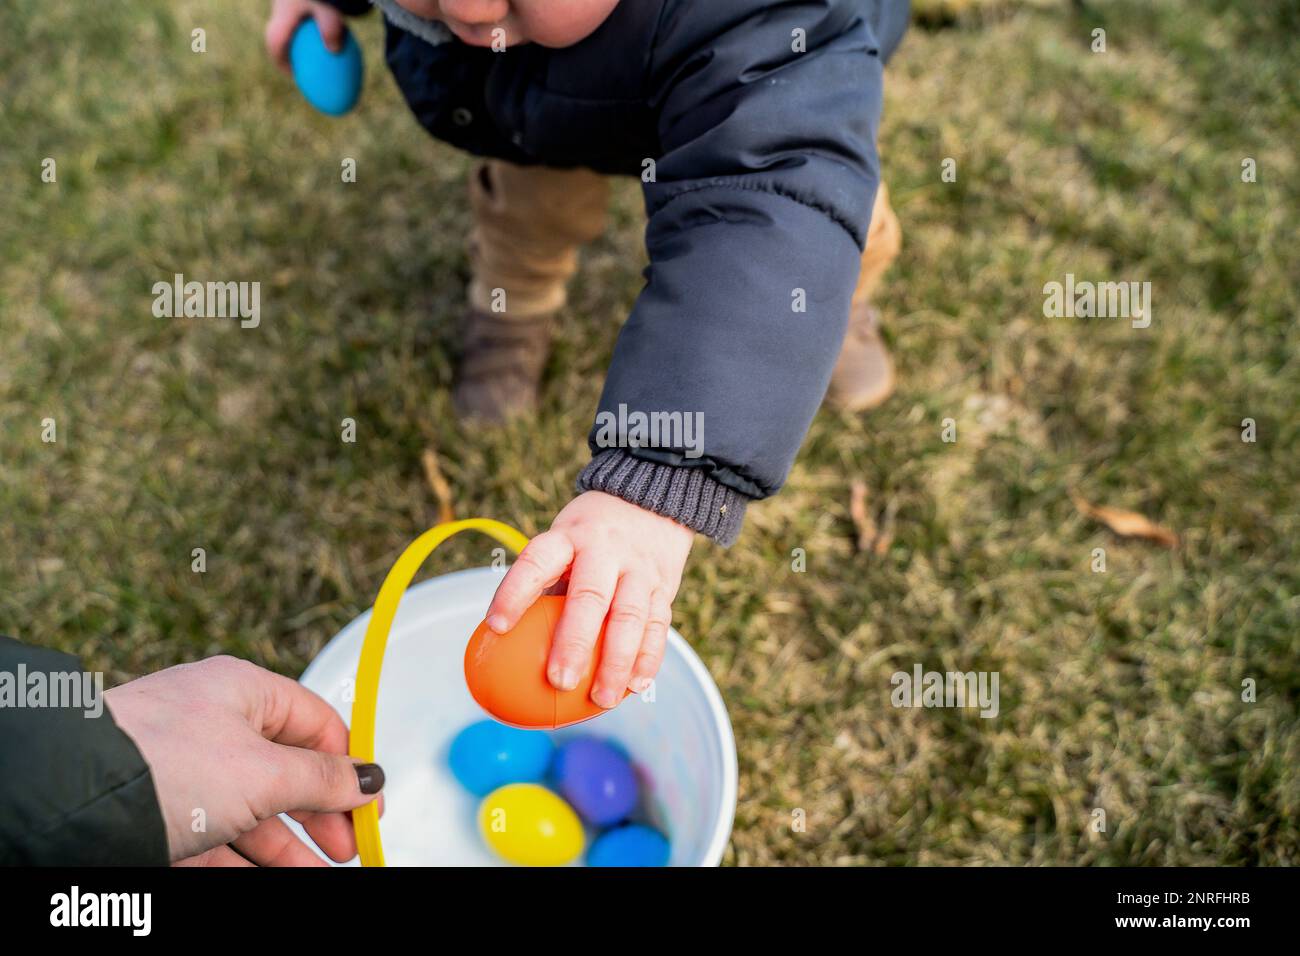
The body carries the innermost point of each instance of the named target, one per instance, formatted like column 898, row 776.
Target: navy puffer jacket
column 761, row 119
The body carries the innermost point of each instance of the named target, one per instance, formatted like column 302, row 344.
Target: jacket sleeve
column 350, row 8
column 756, row 221
column 74, row 789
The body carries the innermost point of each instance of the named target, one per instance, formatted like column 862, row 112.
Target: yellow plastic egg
column 525, row 823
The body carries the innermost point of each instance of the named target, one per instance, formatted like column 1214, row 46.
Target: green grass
column 1120, row 690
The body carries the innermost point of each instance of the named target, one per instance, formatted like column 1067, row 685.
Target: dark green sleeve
column 74, row 789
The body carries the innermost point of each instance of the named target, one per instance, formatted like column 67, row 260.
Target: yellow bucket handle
column 361, row 742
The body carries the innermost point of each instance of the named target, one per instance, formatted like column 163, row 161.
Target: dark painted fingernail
column 371, row 777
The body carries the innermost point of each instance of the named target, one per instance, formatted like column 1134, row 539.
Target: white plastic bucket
column 680, row 743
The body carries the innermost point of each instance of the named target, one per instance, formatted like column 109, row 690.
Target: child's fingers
column 591, row 588
column 279, row 31
column 538, row 566
column 330, row 23
column 624, row 633
column 653, row 643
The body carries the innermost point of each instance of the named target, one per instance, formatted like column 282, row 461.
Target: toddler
column 752, row 126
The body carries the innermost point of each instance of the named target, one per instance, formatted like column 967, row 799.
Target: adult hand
column 230, row 747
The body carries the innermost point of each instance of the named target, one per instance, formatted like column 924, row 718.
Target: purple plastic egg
column 596, row 779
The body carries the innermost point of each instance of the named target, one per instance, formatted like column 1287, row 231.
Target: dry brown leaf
column 862, row 520
column 438, row 484
column 1127, row 524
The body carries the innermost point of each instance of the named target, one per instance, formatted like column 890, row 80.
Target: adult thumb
column 311, row 780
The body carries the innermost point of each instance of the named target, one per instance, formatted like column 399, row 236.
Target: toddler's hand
column 620, row 560
column 285, row 17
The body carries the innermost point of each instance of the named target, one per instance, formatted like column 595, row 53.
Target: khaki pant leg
column 884, row 240
column 529, row 222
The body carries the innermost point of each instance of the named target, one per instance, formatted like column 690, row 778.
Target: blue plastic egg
column 330, row 81
column 487, row 755
column 630, row 845
column 596, row 779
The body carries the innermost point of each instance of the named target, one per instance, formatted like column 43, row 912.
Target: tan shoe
column 500, row 371
column 864, row 374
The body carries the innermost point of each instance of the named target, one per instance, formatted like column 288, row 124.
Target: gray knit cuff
column 687, row 495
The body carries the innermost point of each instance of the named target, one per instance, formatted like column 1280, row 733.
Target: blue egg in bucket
column 331, row 82
column 487, row 755
column 629, row 845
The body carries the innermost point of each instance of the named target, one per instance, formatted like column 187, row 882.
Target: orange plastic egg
column 506, row 673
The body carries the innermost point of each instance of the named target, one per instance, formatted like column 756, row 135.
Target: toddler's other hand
column 285, row 17
column 619, row 559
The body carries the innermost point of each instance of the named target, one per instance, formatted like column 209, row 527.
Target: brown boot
column 864, row 374
column 500, row 370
